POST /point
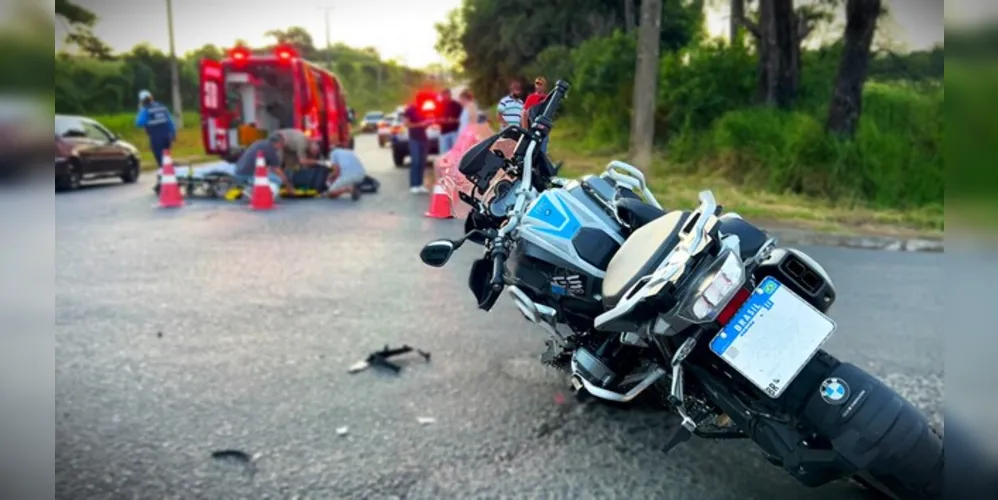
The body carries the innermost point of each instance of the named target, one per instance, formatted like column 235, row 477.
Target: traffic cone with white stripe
column 169, row 191
column 262, row 197
column 440, row 205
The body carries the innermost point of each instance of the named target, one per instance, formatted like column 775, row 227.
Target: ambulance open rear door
column 214, row 119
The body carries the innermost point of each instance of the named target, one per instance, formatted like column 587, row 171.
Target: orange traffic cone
column 440, row 206
column 262, row 197
column 169, row 191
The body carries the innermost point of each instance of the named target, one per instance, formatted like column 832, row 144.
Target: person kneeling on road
column 346, row 173
column 271, row 148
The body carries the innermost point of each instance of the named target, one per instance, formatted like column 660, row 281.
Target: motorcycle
column 700, row 305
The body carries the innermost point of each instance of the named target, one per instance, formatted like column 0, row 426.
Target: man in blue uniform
column 158, row 122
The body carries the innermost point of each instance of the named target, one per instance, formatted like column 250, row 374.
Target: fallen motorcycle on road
column 700, row 306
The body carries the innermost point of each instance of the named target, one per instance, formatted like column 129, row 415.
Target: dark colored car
column 87, row 150
column 370, row 121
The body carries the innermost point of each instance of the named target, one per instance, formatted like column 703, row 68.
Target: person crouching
column 271, row 148
column 346, row 173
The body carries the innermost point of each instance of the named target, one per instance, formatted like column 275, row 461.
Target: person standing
column 510, row 107
column 156, row 119
column 535, row 98
column 450, row 121
column 469, row 110
column 416, row 121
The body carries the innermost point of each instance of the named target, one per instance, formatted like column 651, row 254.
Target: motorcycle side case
column 802, row 274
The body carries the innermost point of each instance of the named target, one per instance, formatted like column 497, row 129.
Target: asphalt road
column 212, row 327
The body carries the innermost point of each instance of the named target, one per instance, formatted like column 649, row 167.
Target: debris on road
column 232, row 455
column 380, row 359
column 426, row 420
column 238, row 458
column 159, row 335
column 342, row 431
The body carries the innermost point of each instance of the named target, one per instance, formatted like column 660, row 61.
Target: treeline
column 713, row 114
column 95, row 80
column 89, row 85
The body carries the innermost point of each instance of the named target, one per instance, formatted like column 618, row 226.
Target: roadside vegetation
column 772, row 157
column 94, row 81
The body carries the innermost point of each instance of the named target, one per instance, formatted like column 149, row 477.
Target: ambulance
column 248, row 95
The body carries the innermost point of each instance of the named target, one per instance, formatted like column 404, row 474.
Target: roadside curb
column 887, row 243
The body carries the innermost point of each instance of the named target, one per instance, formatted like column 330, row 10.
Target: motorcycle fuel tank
column 567, row 228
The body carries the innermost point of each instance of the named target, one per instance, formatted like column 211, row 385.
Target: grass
column 188, row 149
column 675, row 186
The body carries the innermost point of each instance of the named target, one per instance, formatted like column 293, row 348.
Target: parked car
column 87, row 150
column 370, row 121
column 400, row 143
column 385, row 127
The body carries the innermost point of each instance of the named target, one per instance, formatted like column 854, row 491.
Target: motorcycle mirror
column 436, row 253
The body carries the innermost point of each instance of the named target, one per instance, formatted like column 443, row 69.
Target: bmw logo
column 834, row 391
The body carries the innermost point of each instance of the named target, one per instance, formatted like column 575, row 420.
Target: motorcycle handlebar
column 547, row 116
column 498, row 267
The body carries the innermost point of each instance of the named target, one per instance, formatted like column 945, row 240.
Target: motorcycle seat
column 635, row 212
column 640, row 254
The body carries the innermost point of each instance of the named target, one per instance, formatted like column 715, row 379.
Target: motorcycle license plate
column 772, row 337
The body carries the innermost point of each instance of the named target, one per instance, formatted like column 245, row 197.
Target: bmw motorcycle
column 700, row 306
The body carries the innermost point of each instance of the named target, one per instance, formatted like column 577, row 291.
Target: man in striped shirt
column 511, row 106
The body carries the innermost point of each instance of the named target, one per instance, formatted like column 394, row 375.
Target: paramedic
column 344, row 162
column 156, row 119
column 299, row 151
column 271, row 148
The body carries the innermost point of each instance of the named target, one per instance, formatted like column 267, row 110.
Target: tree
column 847, row 95
column 74, row 14
column 297, row 37
column 81, row 21
column 734, row 22
column 628, row 16
column 449, row 33
column 779, row 34
column 645, row 84
column 88, row 43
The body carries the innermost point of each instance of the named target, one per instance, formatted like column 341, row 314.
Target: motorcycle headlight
column 711, row 290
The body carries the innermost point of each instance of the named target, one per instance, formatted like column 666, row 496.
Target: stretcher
column 218, row 180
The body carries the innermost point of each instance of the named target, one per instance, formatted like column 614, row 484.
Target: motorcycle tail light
column 717, row 287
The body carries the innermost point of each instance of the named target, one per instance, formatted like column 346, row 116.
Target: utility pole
column 329, row 43
column 178, row 111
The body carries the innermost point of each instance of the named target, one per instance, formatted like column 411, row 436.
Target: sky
column 399, row 29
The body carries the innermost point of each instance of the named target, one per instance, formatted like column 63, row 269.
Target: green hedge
column 707, row 123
